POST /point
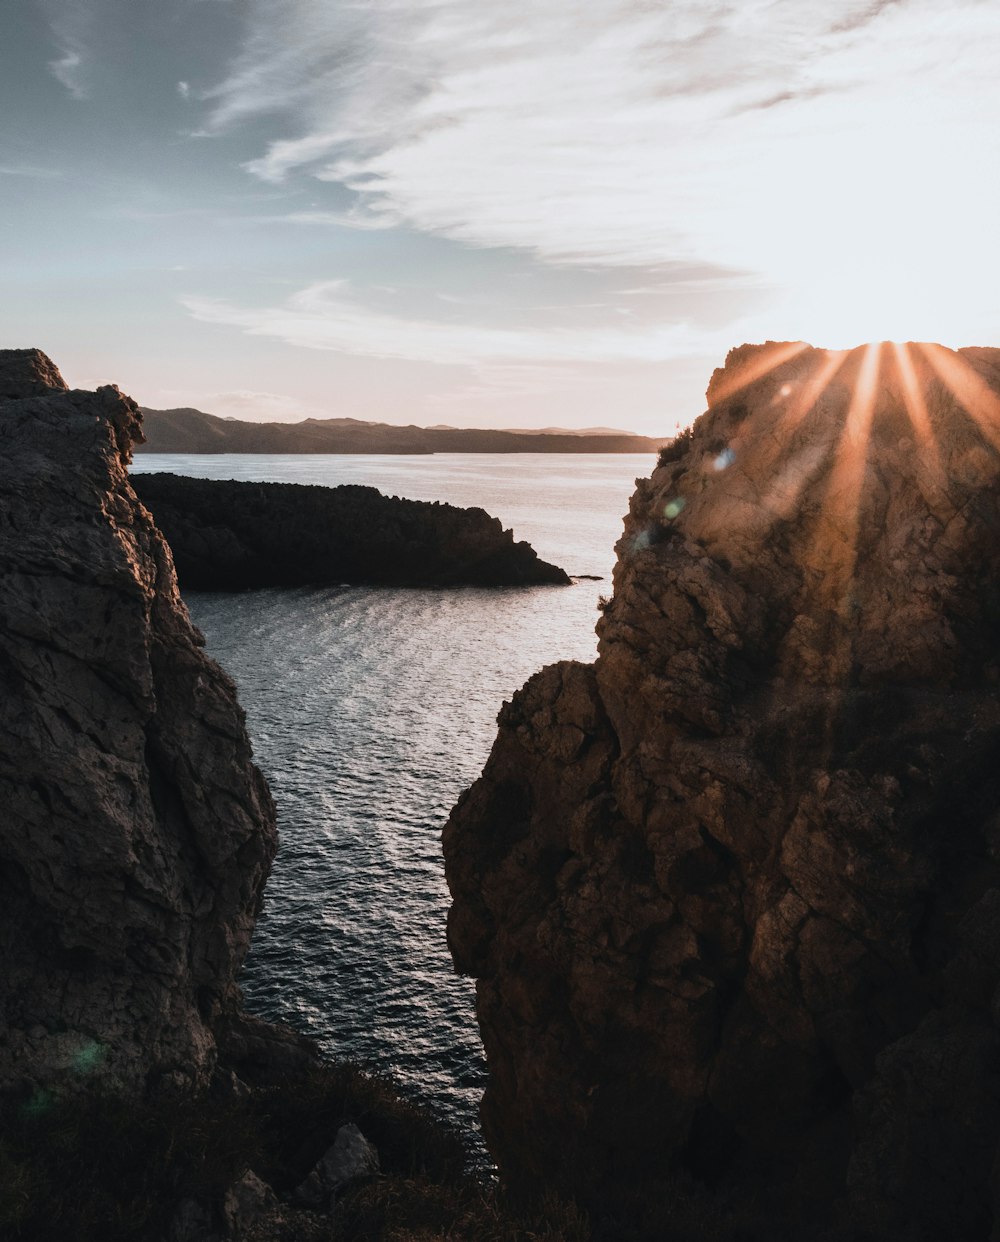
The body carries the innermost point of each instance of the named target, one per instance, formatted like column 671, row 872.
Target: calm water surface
column 370, row 710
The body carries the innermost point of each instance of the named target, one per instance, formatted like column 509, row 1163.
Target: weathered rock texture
column 732, row 894
column 228, row 536
column 136, row 832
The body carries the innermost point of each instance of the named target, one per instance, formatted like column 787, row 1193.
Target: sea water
column 370, row 710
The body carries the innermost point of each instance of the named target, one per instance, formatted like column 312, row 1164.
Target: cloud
column 73, row 31
column 782, row 97
column 28, row 170
column 323, row 316
column 859, row 15
column 813, row 142
column 184, row 90
column 67, row 70
column 282, row 157
column 328, row 219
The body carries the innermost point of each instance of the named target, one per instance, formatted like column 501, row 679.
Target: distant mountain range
column 193, row 431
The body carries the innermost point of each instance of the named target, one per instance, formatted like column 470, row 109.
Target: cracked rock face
column 732, row 893
column 136, row 831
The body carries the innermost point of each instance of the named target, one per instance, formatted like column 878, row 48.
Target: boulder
column 350, row 1157
column 248, row 1202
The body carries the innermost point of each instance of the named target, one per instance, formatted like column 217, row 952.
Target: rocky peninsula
column 732, row 893
column 230, row 536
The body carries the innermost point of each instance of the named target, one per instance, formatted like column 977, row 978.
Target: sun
column 842, row 307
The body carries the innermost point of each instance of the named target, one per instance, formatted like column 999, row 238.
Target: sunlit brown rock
column 135, row 832
column 732, row 893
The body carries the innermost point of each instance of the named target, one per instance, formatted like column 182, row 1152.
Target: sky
column 541, row 212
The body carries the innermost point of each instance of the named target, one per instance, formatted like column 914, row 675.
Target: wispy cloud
column 328, row 219
column 29, row 170
column 782, row 137
column 72, row 26
column 620, row 134
column 67, row 70
column 863, row 14
column 324, row 316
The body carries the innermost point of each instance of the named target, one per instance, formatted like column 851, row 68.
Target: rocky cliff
column 226, row 535
column 137, row 833
column 732, row 893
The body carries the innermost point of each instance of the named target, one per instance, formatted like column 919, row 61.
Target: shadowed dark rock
column 136, row 831
column 228, row 536
column 732, row 893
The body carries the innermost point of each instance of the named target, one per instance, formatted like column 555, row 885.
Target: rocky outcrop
column 732, row 894
column 137, row 833
column 229, row 536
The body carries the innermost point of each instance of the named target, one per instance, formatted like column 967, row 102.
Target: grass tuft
column 676, row 449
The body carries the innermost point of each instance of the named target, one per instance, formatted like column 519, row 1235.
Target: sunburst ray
column 839, row 523
column 782, row 495
column 969, row 389
column 764, row 363
column 916, row 408
column 802, row 401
